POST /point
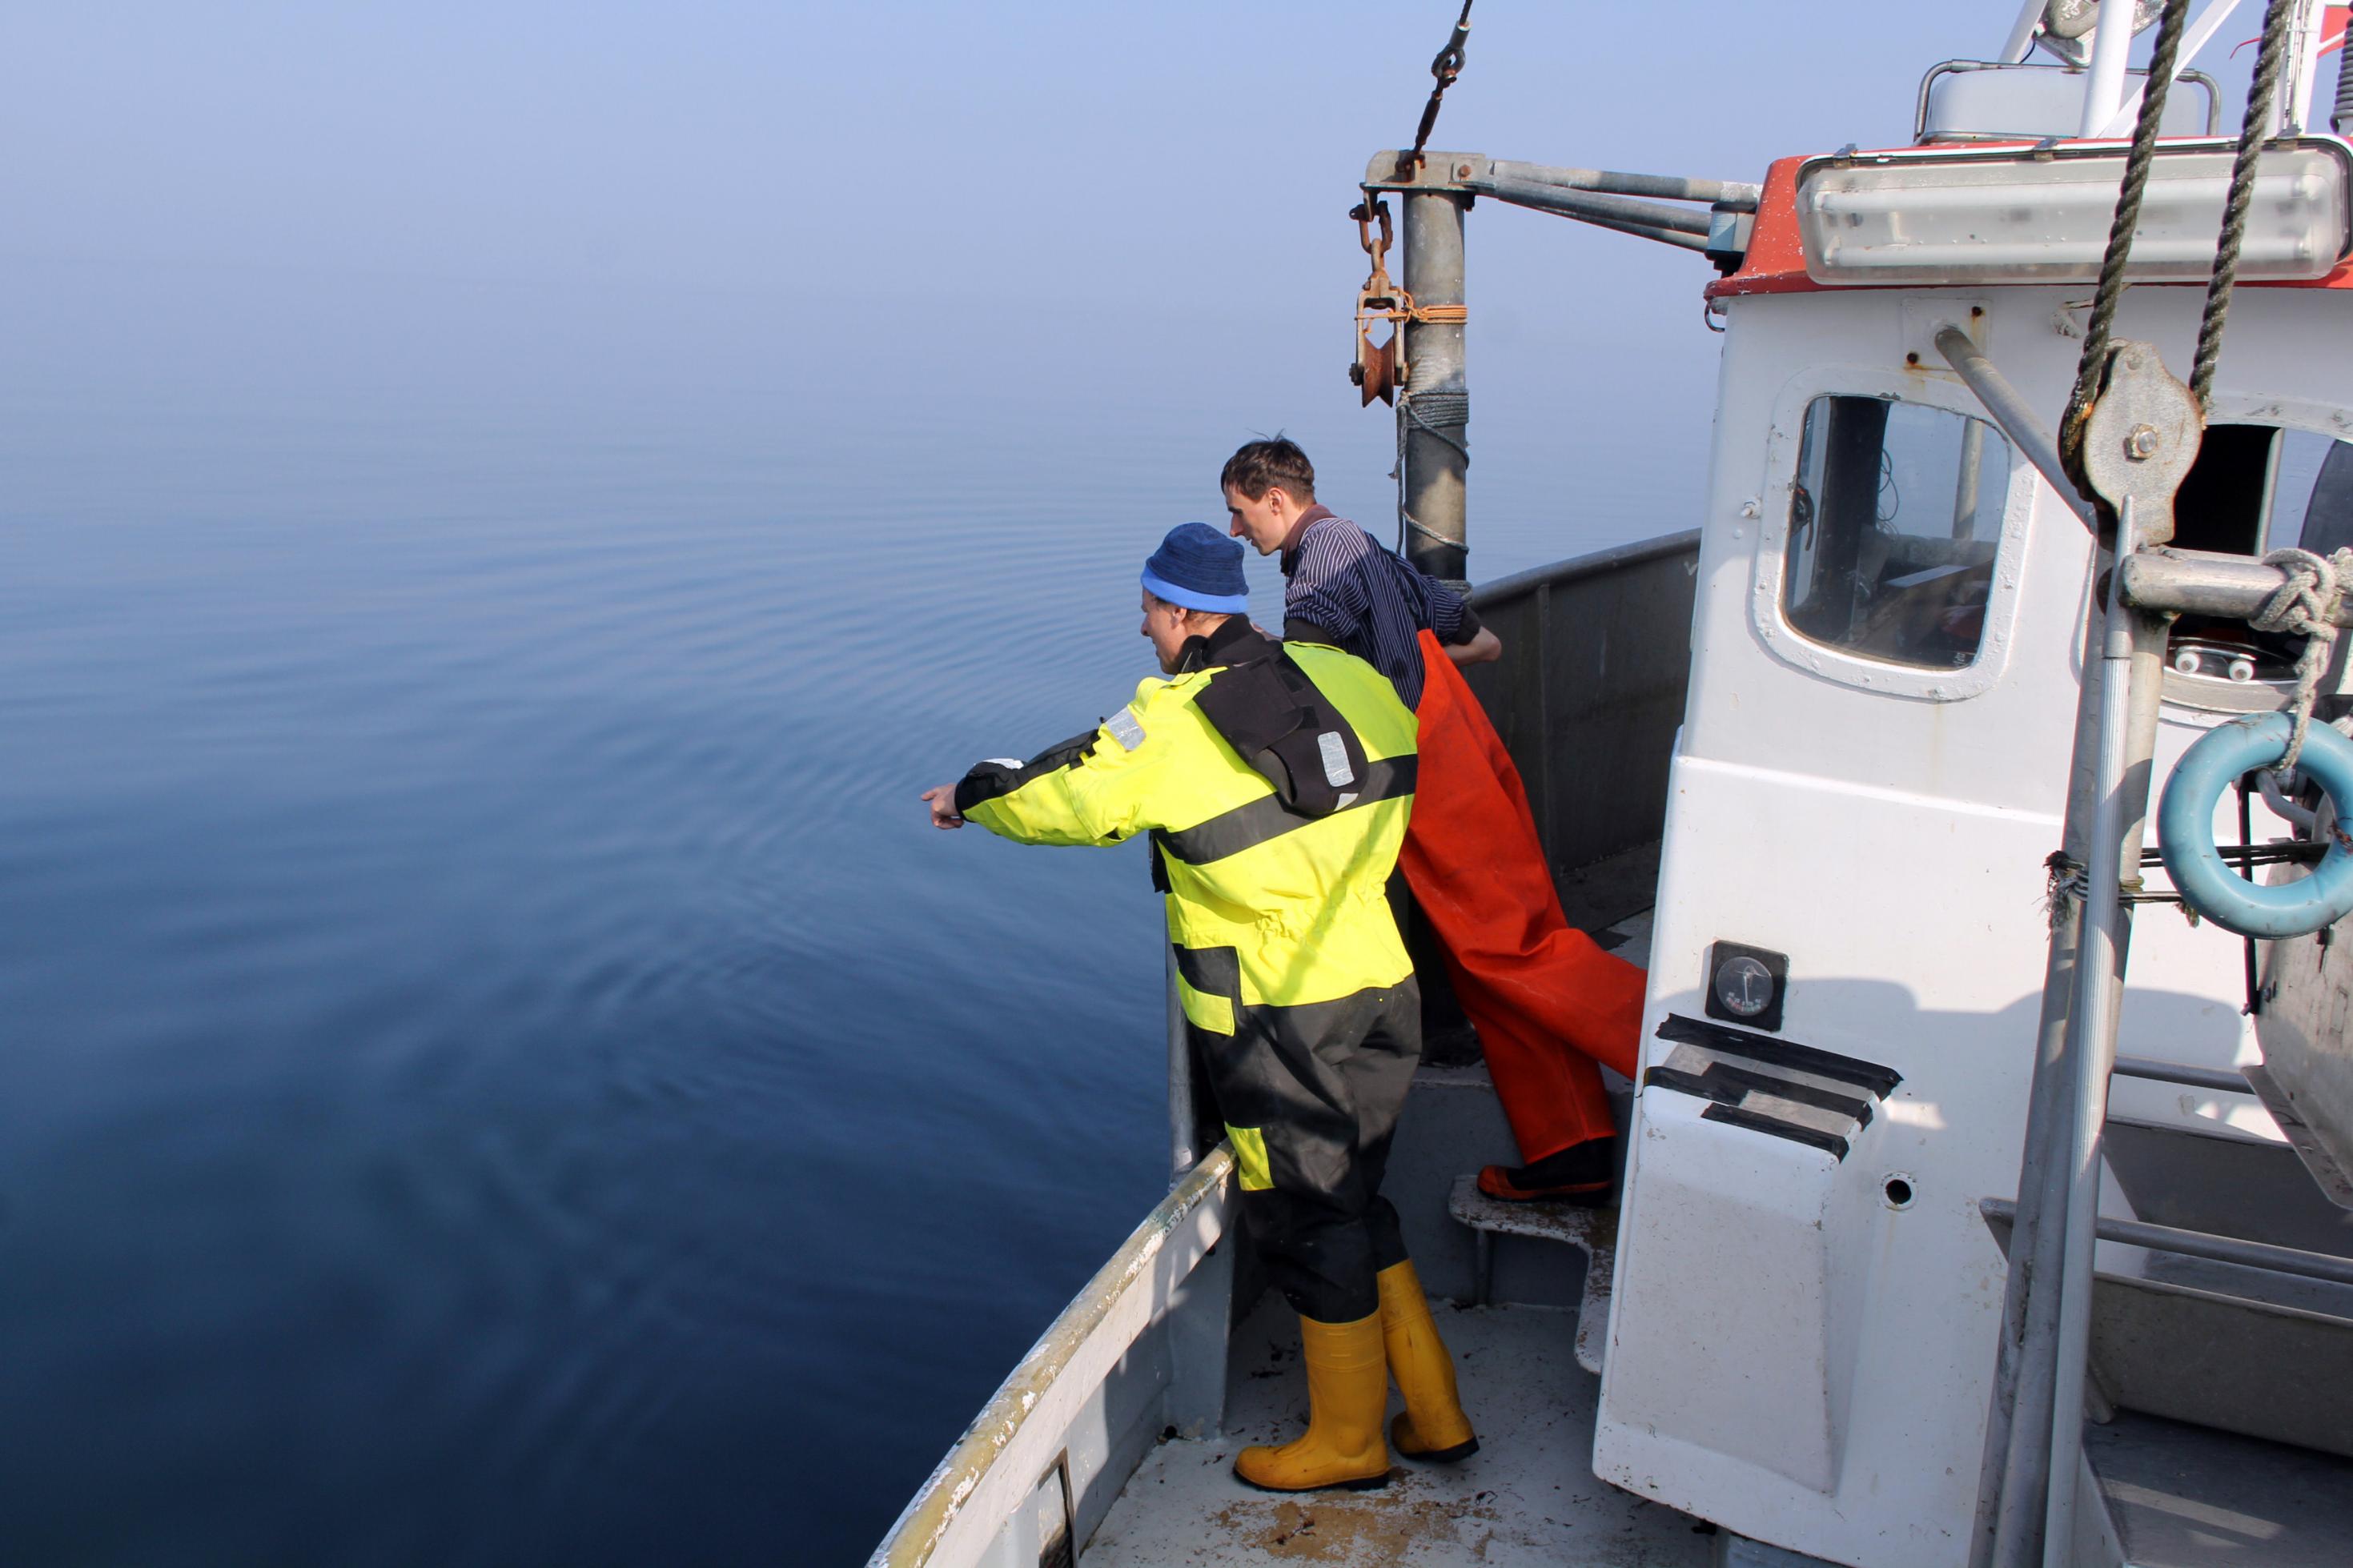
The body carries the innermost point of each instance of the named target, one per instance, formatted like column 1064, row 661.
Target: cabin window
column 2261, row 487
column 2256, row 488
column 1895, row 518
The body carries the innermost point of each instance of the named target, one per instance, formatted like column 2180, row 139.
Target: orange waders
column 1548, row 1002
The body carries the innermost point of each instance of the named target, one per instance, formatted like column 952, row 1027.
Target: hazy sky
column 1012, row 198
column 1036, row 150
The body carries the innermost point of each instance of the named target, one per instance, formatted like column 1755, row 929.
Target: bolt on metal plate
column 2141, row 438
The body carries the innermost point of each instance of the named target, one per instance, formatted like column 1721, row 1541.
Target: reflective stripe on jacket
column 1299, row 900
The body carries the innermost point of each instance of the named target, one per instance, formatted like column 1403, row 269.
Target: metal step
column 2225, row 1183
column 2286, row 1100
column 1593, row 1232
column 2242, row 1336
column 2184, row 1496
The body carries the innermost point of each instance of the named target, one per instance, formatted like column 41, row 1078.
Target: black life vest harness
column 1277, row 720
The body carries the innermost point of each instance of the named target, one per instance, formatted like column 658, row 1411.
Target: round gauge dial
column 1744, row 987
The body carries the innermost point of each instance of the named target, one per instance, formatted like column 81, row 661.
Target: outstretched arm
column 1095, row 788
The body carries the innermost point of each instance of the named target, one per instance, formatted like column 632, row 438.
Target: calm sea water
column 493, row 1068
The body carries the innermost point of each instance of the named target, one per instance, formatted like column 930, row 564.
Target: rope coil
column 1435, row 414
column 1442, row 417
column 2068, row 880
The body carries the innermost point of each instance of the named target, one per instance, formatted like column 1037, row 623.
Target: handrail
column 2220, row 1080
column 1598, row 563
column 2263, row 1255
column 2132, row 103
column 924, row 1524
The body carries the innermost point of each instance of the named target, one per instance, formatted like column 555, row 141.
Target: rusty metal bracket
column 1380, row 369
column 1450, row 171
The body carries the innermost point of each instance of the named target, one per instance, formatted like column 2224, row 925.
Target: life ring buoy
column 2185, row 829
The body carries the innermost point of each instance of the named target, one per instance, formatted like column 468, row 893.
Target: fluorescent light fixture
column 2042, row 215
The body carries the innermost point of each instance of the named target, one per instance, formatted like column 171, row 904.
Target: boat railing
column 1587, row 697
column 1139, row 1350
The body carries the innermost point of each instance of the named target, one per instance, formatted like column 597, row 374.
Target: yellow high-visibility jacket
column 1299, row 901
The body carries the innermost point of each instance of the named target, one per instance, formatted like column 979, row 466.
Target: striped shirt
column 1344, row 587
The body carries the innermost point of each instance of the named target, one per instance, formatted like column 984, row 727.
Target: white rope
column 2304, row 606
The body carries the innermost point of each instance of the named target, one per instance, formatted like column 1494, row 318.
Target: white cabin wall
column 1752, row 708
column 1892, row 846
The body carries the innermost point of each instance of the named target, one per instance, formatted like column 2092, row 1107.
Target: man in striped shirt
column 1548, row 1002
column 1341, row 586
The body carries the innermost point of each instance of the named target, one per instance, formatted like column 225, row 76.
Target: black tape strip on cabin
column 1724, row 1089
column 1699, row 1084
column 1868, row 1076
column 1727, row 1085
column 1731, row 1115
column 1820, row 1099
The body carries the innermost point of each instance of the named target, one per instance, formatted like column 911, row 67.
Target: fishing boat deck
column 1528, row 1496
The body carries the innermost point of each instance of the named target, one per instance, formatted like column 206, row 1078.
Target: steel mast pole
column 2139, row 439
column 2011, row 1482
column 2104, row 85
column 2133, row 675
column 1433, row 408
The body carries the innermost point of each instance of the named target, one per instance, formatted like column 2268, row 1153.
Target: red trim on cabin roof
column 1776, row 261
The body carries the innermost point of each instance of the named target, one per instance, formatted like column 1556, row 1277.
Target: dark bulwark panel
column 1587, row 696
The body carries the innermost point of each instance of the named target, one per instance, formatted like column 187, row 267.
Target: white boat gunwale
column 1020, row 1434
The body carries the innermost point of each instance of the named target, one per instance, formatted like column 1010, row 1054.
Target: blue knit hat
column 1199, row 568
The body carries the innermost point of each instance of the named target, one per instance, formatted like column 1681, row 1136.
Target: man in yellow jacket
column 1274, row 780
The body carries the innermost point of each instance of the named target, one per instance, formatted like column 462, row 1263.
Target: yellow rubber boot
column 1432, row 1426
column 1348, row 1391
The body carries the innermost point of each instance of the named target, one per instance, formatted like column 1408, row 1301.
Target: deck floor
column 1528, row 1497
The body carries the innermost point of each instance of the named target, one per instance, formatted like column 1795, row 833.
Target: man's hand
column 1484, row 648
column 943, row 803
